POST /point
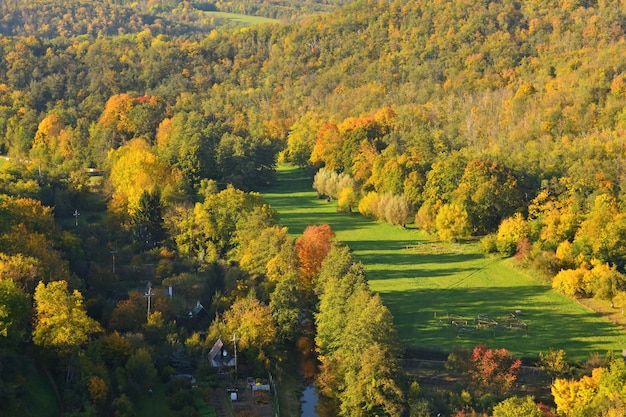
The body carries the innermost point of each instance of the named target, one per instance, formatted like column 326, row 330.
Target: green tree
column 373, row 388
column 140, row 368
column 489, row 192
column 14, row 310
column 147, row 220
column 288, row 309
column 517, row 407
column 208, row 231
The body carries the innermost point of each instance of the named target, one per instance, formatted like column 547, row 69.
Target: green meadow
column 437, row 291
column 241, row 18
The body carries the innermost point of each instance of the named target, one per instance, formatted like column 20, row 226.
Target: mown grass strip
column 427, row 285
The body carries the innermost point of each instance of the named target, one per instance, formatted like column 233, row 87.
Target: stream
column 309, row 401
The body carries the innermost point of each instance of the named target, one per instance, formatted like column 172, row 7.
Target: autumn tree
column 208, row 230
column 572, row 282
column 368, row 204
column 331, row 184
column 61, row 321
column 327, row 149
column 301, row 138
column 135, row 169
column 24, row 271
column 452, row 223
column 511, row 231
column 114, row 348
column 312, row 248
column 394, row 209
column 47, row 139
column 601, row 234
column 347, row 200
column 491, row 371
column 251, row 322
column 518, row 407
column 489, row 192
column 554, row 362
column 128, row 315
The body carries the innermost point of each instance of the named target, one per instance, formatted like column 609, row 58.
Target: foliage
column 286, row 303
column 554, row 363
column 328, row 183
column 14, row 310
column 498, row 107
column 207, row 231
column 353, row 329
column 250, row 321
column 61, row 322
column 140, row 368
column 312, row 249
column 517, row 407
column 511, row 231
column 135, row 169
column 452, row 223
column 147, row 220
column 491, row 371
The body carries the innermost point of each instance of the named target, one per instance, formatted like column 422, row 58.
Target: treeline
column 51, row 19
column 54, row 18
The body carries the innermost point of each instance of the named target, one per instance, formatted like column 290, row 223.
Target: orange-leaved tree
column 312, row 249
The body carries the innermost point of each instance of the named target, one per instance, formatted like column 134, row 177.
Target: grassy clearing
column 241, row 18
column 154, row 405
column 426, row 284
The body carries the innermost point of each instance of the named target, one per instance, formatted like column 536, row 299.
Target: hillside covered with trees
column 496, row 120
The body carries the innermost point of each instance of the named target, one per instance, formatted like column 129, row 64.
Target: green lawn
column 241, row 18
column 154, row 405
column 427, row 282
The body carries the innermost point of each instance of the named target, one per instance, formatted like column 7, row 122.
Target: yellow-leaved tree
column 61, row 321
column 135, row 169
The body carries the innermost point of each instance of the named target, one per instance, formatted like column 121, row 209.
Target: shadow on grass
column 423, row 321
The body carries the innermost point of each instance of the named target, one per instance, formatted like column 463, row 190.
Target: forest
column 137, row 136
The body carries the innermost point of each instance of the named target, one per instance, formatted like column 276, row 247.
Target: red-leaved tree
column 492, row 371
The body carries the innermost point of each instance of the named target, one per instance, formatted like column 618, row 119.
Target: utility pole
column 113, row 252
column 76, row 214
column 148, row 295
column 235, row 343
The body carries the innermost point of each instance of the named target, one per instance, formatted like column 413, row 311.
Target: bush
column 180, row 399
column 488, row 244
